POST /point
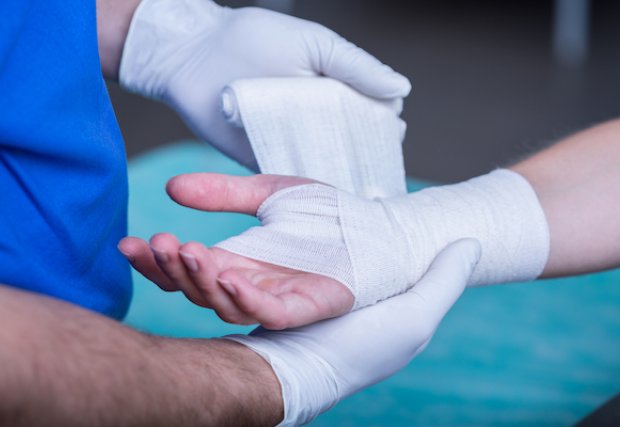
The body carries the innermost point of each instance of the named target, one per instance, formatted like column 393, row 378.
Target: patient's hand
column 240, row 290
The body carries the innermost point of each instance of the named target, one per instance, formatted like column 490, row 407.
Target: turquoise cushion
column 541, row 353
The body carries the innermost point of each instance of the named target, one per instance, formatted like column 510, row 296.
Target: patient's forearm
column 578, row 184
column 61, row 365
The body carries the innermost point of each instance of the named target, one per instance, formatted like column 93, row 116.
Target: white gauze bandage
column 322, row 129
column 380, row 248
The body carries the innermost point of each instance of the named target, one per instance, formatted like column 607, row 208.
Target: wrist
column 499, row 209
column 307, row 382
column 219, row 382
column 113, row 20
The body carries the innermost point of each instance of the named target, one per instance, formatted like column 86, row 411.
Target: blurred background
column 492, row 80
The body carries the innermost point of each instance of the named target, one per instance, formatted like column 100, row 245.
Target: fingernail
column 190, row 261
column 227, row 285
column 160, row 255
column 125, row 254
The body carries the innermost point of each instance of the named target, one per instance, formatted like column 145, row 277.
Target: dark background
column 486, row 85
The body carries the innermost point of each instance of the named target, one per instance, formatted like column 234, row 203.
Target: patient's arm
column 577, row 183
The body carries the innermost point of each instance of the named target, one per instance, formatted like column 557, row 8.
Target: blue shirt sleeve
column 63, row 204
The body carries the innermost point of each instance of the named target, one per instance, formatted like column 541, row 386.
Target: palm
column 278, row 297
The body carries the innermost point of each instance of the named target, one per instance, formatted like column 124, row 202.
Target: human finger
column 342, row 60
column 138, row 253
column 202, row 268
column 217, row 192
column 446, row 279
column 165, row 249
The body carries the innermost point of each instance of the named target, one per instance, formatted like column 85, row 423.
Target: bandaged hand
column 321, row 364
column 321, row 251
column 239, row 289
column 184, row 52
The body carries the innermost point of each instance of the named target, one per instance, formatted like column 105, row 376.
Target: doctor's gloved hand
column 184, row 52
column 320, row 364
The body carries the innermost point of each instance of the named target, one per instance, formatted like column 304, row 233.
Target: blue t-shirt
column 63, row 180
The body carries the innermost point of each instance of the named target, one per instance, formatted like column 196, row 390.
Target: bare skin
column 65, row 366
column 113, row 19
column 577, row 182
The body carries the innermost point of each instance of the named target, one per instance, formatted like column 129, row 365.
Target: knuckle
column 159, row 238
column 275, row 324
column 230, row 318
column 192, row 247
column 206, row 288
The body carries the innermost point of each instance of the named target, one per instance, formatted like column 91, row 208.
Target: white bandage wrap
column 308, row 383
column 322, row 129
column 500, row 210
column 380, row 248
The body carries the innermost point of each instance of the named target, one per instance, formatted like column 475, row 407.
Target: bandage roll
column 322, row 129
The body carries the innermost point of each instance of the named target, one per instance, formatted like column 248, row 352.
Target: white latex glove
column 320, row 364
column 184, row 52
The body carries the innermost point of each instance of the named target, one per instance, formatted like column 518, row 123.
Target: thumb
column 342, row 60
column 226, row 193
column 446, row 279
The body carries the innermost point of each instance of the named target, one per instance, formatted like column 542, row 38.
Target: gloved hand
column 184, row 52
column 320, row 364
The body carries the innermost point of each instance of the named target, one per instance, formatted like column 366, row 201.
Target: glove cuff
column 159, row 31
column 307, row 382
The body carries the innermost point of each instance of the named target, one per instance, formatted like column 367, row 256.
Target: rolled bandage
column 380, row 248
column 322, row 129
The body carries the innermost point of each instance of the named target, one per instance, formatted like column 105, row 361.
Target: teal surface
column 541, row 354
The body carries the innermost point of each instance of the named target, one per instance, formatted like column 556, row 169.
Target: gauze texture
column 380, row 248
column 322, row 129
